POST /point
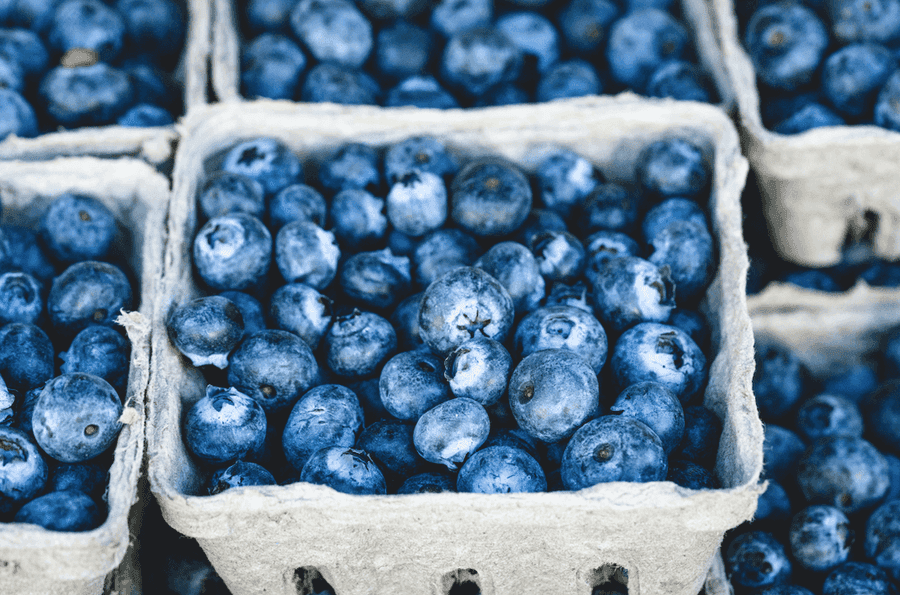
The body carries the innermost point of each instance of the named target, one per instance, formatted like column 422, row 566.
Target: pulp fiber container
column 34, row 561
column 154, row 144
column 227, row 40
column 275, row 539
column 822, row 188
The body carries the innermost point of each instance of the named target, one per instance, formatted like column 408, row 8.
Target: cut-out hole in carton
column 609, row 579
column 307, row 580
column 861, row 230
column 462, row 581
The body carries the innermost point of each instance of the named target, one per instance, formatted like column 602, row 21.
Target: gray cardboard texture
column 225, row 68
column 154, row 145
column 817, row 187
column 554, row 543
column 34, row 561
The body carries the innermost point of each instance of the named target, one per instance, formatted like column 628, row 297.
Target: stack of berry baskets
column 653, row 537
column 821, row 134
column 38, row 560
column 105, row 79
column 400, row 51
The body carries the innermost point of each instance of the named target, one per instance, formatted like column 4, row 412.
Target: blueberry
column 417, row 203
column 420, row 91
column 774, row 506
column 328, row 415
column 265, row 160
column 566, row 180
column 306, row 253
column 269, row 15
column 451, row 17
column 694, row 324
column 882, row 274
column 503, row 94
column 845, row 472
column 478, row 369
column 88, row 478
column 411, row 383
column 857, row 578
column 882, row 544
column 391, row 9
column 144, row 115
column 855, row 20
column 328, row 82
column 358, row 343
column 490, row 198
column 376, row 279
column 224, row 426
column 27, row 48
column 820, row 538
column 402, row 50
column 101, row 351
column 575, row 295
column 535, row 36
column 853, row 76
column 686, row 248
column 613, row 448
column 76, row 417
column 250, row 309
column 450, row 432
column 563, row 327
column 226, row 192
column 273, row 367
column 154, row 24
column 679, row 80
column 573, row 78
column 640, row 42
column 62, row 511
column 780, row 381
column 346, row 470
column 7, row 400
column 537, row 221
column 553, row 392
column 94, row 95
column 428, row 483
column 296, row 202
column 89, row 25
column 152, row 85
column 333, row 31
column 369, row 399
column 811, row 115
column 23, row 471
column 240, row 474
column 786, row 42
column 656, row 406
column 419, row 154
column 26, row 356
column 853, row 383
column 516, row 268
column 882, row 414
column 354, row 166
column 25, row 412
column 32, row 14
column 18, row 116
column 300, row 309
column 359, row 220
column 462, row 304
column 673, row 167
column 477, row 59
column 691, row 475
column 608, row 207
column 585, row 25
column 630, row 290
column 559, row 255
column 405, row 321
column 887, row 106
column 76, row 227
column 603, row 246
column 782, row 450
column 757, row 559
column 660, row 353
column 12, row 76
column 21, row 298
column 828, row 415
column 390, row 444
column 206, row 330
column 442, row 251
column 87, row 292
column 501, row 470
column 271, row 66
column 233, row 252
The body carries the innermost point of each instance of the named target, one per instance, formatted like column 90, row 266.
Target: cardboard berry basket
column 34, row 561
column 225, row 64
column 155, row 144
column 821, row 187
column 271, row 539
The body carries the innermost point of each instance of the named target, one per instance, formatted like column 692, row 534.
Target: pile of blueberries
column 63, row 364
column 825, row 63
column 829, row 521
column 466, row 53
column 408, row 323
column 73, row 63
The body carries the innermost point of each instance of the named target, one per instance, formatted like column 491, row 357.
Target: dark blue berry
column 206, row 330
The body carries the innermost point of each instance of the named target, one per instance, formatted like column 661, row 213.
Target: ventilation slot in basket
column 861, row 231
column 609, row 579
column 462, row 581
column 309, row 581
